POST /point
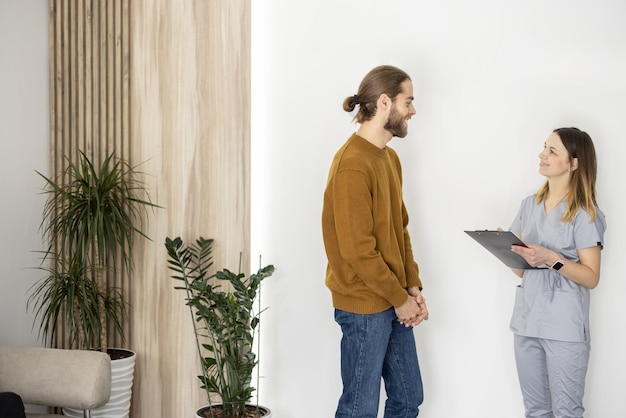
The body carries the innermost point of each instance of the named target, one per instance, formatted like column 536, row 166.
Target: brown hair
column 582, row 192
column 384, row 79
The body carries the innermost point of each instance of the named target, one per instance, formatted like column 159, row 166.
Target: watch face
column 557, row 265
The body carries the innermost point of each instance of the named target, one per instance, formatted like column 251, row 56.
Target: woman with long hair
column 564, row 230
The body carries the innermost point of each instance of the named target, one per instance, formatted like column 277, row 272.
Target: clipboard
column 499, row 244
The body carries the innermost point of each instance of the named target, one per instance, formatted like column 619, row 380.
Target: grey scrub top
column 547, row 305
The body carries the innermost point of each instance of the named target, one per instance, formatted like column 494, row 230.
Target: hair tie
column 356, row 99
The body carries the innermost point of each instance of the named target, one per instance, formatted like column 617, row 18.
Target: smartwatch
column 557, row 264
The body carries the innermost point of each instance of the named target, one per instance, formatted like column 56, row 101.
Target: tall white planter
column 122, row 373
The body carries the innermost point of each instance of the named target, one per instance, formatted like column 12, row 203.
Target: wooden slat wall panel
column 164, row 84
column 89, row 43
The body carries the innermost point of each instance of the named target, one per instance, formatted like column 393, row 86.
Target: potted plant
column 224, row 319
column 90, row 219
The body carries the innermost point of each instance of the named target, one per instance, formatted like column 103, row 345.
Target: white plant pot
column 265, row 410
column 122, row 373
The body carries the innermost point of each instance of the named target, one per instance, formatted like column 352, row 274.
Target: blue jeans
column 376, row 346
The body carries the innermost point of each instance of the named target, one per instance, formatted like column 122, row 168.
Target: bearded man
column 371, row 273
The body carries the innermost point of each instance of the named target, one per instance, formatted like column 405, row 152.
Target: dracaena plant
column 224, row 318
column 91, row 216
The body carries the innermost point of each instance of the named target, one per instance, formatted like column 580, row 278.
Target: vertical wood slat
column 102, row 74
column 89, row 52
column 87, row 33
column 95, row 62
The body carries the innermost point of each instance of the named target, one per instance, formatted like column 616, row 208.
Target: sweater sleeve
column 410, row 266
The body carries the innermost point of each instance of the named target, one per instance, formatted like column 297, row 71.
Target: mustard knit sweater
column 364, row 225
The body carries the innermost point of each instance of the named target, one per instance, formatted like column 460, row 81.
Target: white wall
column 492, row 79
column 23, row 149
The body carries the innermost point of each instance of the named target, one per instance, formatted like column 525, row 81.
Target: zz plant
column 221, row 307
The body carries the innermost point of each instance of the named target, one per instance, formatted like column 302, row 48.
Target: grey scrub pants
column 552, row 376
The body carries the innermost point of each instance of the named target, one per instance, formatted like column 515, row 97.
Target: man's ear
column 384, row 102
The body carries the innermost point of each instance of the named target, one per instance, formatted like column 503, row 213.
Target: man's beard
column 396, row 124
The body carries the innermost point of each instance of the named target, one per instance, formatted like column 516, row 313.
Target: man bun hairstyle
column 384, row 79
